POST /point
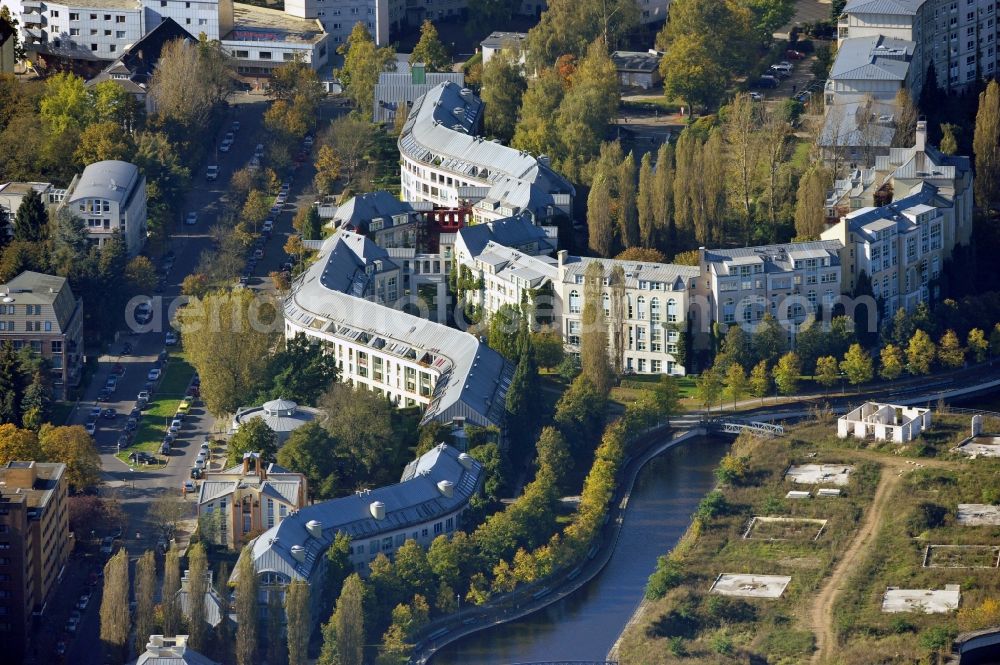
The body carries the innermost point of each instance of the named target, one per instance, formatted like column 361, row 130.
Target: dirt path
column 821, row 614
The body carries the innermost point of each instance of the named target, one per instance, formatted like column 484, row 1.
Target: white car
column 191, row 218
column 153, row 375
column 783, row 66
column 258, row 151
column 171, row 338
column 268, row 225
column 225, row 146
column 91, row 428
column 756, row 96
column 188, row 486
column 212, row 174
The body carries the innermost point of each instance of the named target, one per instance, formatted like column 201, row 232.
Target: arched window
column 574, row 302
column 671, row 311
column 654, row 310
column 640, row 305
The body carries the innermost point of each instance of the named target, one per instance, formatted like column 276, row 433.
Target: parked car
column 195, row 472
column 171, row 338
column 225, row 145
column 191, row 218
column 784, row 66
column 792, row 54
column 212, row 174
column 71, row 625
column 231, row 137
column 109, row 414
column 153, row 375
column 268, row 225
column 91, row 428
column 188, row 486
column 143, row 396
column 193, row 392
column 164, row 448
column 236, row 125
column 756, row 96
column 107, row 544
column 83, row 602
column 258, row 254
column 258, row 151
column 767, row 81
column 131, row 424
column 175, row 426
column 60, row 649
column 126, row 349
column 112, row 383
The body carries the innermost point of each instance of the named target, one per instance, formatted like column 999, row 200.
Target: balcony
column 32, row 19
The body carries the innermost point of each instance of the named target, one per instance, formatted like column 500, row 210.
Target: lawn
column 176, row 377
column 152, row 427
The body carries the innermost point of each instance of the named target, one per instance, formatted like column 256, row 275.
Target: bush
column 668, row 574
column 721, row 644
column 791, row 644
column 731, row 470
column 676, row 647
column 900, row 625
column 991, row 495
column 676, row 623
column 936, row 638
column 713, row 505
column 926, row 516
column 730, row 610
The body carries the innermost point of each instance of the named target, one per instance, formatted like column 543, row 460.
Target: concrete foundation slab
column 819, row 474
column 798, row 494
column 928, row 601
column 750, row 586
column 978, row 514
column 784, row 528
column 981, row 446
column 962, row 556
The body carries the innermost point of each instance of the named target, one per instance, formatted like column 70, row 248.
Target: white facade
column 655, row 317
column 444, row 162
column 886, row 422
column 96, row 30
column 212, row 17
column 262, row 39
column 110, row 196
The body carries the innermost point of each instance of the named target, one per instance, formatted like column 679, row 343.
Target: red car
column 794, row 55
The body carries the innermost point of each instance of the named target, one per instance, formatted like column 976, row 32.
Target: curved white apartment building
column 444, row 162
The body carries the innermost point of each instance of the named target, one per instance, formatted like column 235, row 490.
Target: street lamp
column 132, row 470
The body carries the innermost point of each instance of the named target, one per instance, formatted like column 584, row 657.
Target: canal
column 585, row 625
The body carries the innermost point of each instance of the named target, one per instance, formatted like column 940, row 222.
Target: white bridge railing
column 755, row 428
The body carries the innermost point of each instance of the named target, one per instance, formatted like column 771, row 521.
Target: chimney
column 261, row 470
column 920, row 136
column 418, row 74
column 561, row 257
column 246, row 464
column 377, row 509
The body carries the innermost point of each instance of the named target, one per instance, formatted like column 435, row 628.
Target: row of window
column 29, row 326
column 263, row 55
column 75, row 16
column 28, row 309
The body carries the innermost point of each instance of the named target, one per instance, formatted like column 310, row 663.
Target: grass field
column 687, row 625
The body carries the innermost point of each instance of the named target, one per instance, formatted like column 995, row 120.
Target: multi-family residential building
column 653, row 307
column 509, row 277
column 381, row 217
column 445, row 162
column 110, row 197
column 262, row 39
column 345, row 300
column 246, row 499
column 163, row 650
column 41, row 313
column 428, row 501
column 91, row 30
column 7, row 38
column 499, row 40
column 518, row 233
column 789, row 282
column 34, row 546
column 958, row 36
column 213, row 18
column 902, row 245
column 12, row 195
column 133, row 70
column 395, row 92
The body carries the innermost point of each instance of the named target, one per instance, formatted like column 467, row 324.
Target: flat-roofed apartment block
column 654, row 310
column 789, row 281
column 262, row 39
column 902, row 246
column 346, row 300
column 93, row 30
column 212, row 17
column 41, row 313
column 34, row 545
column 110, row 197
column 444, row 161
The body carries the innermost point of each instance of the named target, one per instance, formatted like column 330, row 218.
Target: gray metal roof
column 473, row 379
column 514, row 232
column 356, row 213
column 842, row 125
column 352, row 261
column 34, row 288
column 111, row 179
column 674, row 277
column 500, row 39
column 866, row 221
column 163, row 650
column 874, row 58
column 282, row 485
column 415, row 500
column 636, row 61
column 509, row 263
column 440, row 130
column 897, row 7
column 396, row 91
column 775, row 258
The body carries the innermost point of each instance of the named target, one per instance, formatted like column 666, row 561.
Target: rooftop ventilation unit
column 377, row 509
column 299, row 553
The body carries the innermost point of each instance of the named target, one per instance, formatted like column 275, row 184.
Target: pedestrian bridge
column 755, row 428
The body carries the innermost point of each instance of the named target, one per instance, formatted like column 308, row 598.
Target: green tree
column 628, row 222
column 72, row 446
column 548, row 345
column 587, row 108
column 145, row 592
column 310, row 451
column 18, row 445
column 31, row 220
column 920, row 353
column 666, row 395
column 569, row 27
column 115, row 617
column 502, row 90
column 253, row 436
column 553, row 455
column 892, row 363
column 708, row 388
column 663, row 199
column 950, row 351
column 810, row 200
column 277, row 650
column 594, row 338
column 103, row 141
column 857, row 365
column 737, row 384
column 246, row 609
column 995, row 340
column 328, row 167
column 349, row 622
column 827, row 371
column 171, row 585
column 977, row 345
column 645, row 202
column 986, row 147
column 65, row 104
column 769, row 340
column 760, row 380
column 786, row 373
column 301, row 372
column 228, row 337
column 600, row 220
column 363, row 62
column 949, row 140
column 190, row 82
column 197, row 588
column 430, row 51
column 536, row 130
